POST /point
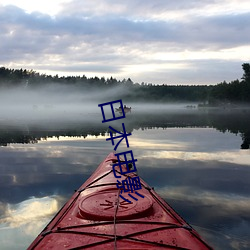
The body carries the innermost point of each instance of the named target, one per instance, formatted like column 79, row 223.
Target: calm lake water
column 197, row 160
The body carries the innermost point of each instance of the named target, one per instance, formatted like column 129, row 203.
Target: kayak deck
column 96, row 217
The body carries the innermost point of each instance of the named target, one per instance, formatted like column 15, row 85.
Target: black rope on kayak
column 102, row 185
column 200, row 239
column 77, row 194
column 44, row 233
column 126, row 237
column 119, row 237
column 115, row 214
column 173, row 212
column 121, row 222
column 164, row 206
column 116, row 237
column 173, row 226
column 99, row 178
column 64, row 230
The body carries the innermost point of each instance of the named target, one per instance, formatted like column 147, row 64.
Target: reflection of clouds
column 228, row 203
column 187, row 139
column 58, row 157
column 177, row 159
column 2, row 209
column 147, row 144
column 57, row 153
column 222, row 219
column 237, row 156
column 29, row 212
column 209, row 184
column 202, row 144
column 25, row 220
column 35, row 170
column 227, row 240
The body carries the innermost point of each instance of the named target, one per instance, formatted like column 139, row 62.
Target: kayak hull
column 96, row 217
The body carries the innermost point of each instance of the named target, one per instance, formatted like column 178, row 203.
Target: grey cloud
column 208, row 71
column 217, row 31
column 98, row 40
column 220, row 31
column 85, row 68
column 133, row 8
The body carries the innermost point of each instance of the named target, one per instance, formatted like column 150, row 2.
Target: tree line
column 235, row 122
column 236, row 91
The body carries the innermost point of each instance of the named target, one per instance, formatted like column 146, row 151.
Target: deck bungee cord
column 96, row 217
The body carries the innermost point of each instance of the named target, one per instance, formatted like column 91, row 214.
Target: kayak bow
column 97, row 218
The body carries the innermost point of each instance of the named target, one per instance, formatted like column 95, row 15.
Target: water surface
column 194, row 160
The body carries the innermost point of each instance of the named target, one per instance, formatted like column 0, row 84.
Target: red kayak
column 100, row 216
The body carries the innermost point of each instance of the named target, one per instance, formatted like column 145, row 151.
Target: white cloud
column 159, row 41
column 29, row 211
column 45, row 6
column 25, row 220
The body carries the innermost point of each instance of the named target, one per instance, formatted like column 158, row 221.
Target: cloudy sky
column 157, row 41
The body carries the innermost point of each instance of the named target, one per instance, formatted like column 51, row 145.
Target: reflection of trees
column 16, row 137
column 246, row 141
column 223, row 93
column 20, row 135
column 237, row 122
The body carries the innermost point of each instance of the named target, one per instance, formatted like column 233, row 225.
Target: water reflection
column 193, row 161
column 20, row 222
column 29, row 210
column 23, row 131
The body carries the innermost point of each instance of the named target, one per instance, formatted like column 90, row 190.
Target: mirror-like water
column 193, row 158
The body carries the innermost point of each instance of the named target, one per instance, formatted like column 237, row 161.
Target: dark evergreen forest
column 234, row 92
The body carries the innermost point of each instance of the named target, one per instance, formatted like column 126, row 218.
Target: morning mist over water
column 53, row 138
column 58, row 108
column 65, row 102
